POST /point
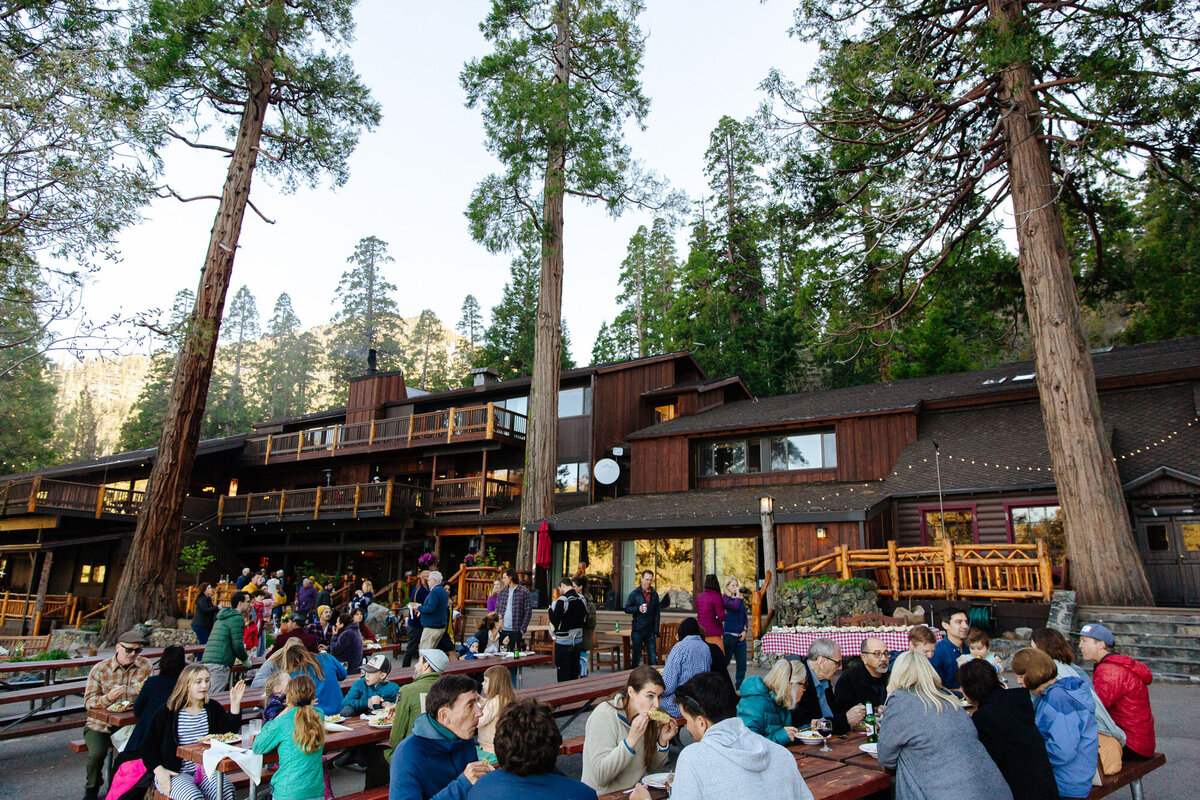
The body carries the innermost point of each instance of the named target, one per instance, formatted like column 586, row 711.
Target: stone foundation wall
column 821, row 602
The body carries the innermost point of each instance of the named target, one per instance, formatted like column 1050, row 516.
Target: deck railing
column 951, row 571
column 484, row 422
column 30, row 496
column 19, row 605
column 469, row 493
column 354, row 499
column 473, row 585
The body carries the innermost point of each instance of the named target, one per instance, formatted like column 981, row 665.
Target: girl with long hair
column 325, row 671
column 710, row 613
column 767, row 703
column 189, row 715
column 497, row 693
column 623, row 741
column 298, row 734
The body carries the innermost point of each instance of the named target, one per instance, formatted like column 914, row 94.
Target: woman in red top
column 360, row 618
column 710, row 611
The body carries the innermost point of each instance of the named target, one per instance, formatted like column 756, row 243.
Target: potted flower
column 426, row 560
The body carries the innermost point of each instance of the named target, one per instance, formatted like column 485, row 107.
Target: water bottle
column 618, row 628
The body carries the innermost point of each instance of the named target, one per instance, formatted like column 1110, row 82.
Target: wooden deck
column 324, row 502
column 78, row 499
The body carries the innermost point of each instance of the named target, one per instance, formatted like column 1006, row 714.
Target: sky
column 411, row 178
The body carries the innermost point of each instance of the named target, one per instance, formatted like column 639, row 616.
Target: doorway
column 1171, row 549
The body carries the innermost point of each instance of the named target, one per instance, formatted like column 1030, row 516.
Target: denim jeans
column 733, row 648
column 636, row 640
column 201, row 633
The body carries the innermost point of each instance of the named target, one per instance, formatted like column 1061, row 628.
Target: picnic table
column 50, row 668
column 843, row 750
column 849, row 640
column 583, row 692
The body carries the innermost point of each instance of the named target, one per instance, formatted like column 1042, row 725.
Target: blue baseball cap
column 1097, row 632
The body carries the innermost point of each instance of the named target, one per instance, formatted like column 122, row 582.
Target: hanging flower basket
column 426, row 559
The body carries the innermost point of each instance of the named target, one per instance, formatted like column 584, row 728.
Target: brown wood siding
column 798, row 541
column 346, row 474
column 868, row 447
column 368, row 395
column 766, row 478
column 573, row 439
column 1165, row 486
column 879, row 529
column 990, row 517
column 659, row 465
column 618, row 396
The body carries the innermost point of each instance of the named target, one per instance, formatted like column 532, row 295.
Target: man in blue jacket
column 438, row 760
column 642, row 603
column 435, row 612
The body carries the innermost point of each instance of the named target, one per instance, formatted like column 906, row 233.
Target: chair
column 668, row 635
column 602, row 651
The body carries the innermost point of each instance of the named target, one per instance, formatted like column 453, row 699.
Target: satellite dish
column 606, row 471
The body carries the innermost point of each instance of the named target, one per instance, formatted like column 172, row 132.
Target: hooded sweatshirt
column 1067, row 719
column 733, row 762
column 428, row 765
column 1120, row 683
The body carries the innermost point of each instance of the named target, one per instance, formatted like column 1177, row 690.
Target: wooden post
column 450, row 425
column 1044, row 571
column 950, row 568
column 220, row 509
column 766, row 520
column 33, row 493
column 249, row 498
column 462, row 583
column 317, row 505
column 410, row 428
column 336, row 428
column 483, row 471
column 491, row 420
column 387, row 503
column 4, row 500
column 371, row 435
column 99, row 500
column 893, row 569
column 267, row 457
column 4, row 608
column 357, row 497
column 282, row 497
column 43, row 584
column 843, row 562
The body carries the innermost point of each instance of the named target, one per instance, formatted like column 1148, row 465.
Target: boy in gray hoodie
column 728, row 760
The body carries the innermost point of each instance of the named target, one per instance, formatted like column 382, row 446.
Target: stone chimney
column 484, row 375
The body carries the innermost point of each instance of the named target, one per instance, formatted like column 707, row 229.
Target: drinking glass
column 824, row 727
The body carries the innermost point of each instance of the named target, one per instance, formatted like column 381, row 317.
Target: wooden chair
column 24, row 646
column 612, row 652
column 668, row 635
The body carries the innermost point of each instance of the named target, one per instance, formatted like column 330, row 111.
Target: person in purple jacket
column 306, row 598
column 736, row 620
column 710, row 612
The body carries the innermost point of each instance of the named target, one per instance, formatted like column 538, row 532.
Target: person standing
column 226, row 644
column 324, row 598
column 515, row 607
column 435, row 612
column 117, row 678
column 1122, row 684
column 306, row 598
column 567, row 616
column 243, row 579
column 735, row 627
column 412, row 631
column 643, row 605
column 710, row 612
column 205, row 613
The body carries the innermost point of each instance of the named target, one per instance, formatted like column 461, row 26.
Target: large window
column 959, row 526
column 574, row 477
column 1030, row 523
column 731, row 558
column 783, row 454
column 664, row 413
column 517, row 405
column 92, row 573
column 596, row 557
column 575, row 402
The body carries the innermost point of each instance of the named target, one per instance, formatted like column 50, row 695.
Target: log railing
column 484, row 422
column 469, row 493
column 21, row 605
column 353, row 499
column 951, row 571
column 473, row 585
column 30, row 496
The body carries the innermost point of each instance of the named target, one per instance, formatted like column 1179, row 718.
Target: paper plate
column 870, row 749
column 659, row 780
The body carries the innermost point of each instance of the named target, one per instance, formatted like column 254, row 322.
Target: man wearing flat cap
column 117, row 678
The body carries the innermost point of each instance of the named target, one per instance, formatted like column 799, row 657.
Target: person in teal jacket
column 767, row 703
column 373, row 684
column 298, row 736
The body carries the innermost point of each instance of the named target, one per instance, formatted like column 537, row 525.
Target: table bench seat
column 571, row 746
column 1131, row 774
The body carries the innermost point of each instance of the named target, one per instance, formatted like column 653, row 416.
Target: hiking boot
column 91, row 793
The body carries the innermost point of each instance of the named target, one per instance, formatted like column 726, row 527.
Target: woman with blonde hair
column 497, row 693
column 189, row 715
column 931, row 742
column 767, row 703
column 299, row 736
column 623, row 742
column 325, row 671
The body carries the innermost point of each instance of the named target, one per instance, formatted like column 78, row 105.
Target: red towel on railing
column 543, row 546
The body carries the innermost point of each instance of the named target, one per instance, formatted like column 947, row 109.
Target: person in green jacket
column 767, row 703
column 298, row 736
column 430, row 666
column 225, row 642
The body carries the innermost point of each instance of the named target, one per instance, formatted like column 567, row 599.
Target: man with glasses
column 118, row 678
column 823, row 662
column 866, row 682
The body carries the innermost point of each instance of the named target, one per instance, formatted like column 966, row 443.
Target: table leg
column 1136, row 788
column 221, row 783
column 520, row 678
column 253, row 790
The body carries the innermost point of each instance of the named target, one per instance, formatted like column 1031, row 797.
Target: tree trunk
column 541, row 438
column 147, row 587
column 1105, row 565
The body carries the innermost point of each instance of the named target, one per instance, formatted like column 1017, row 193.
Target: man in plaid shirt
column 515, row 608
column 118, row 678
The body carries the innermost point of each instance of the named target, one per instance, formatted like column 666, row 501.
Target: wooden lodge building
column 366, row 489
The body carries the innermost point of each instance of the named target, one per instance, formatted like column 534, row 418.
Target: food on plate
column 121, row 705
column 810, row 737
column 658, row 715
column 659, row 780
column 227, row 738
column 334, row 718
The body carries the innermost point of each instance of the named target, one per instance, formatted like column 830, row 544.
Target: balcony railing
column 356, row 499
column 473, row 423
column 471, row 494
column 40, row 494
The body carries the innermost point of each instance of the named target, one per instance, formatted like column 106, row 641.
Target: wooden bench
column 25, row 645
column 1131, row 775
column 379, row 793
column 77, row 746
column 571, row 746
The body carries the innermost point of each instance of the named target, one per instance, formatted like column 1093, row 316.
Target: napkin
column 250, row 762
column 334, row 727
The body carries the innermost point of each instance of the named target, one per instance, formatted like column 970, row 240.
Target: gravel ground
column 42, row 767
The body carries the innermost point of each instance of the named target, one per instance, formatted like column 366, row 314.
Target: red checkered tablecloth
column 848, row 639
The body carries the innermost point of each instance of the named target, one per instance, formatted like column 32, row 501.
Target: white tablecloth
column 848, row 639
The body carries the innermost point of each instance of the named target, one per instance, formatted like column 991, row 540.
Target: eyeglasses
column 876, row 653
column 134, row 650
column 837, row 661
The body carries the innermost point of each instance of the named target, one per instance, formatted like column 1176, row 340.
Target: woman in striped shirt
column 189, row 715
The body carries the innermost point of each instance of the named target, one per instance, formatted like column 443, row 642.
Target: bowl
column 871, row 749
column 810, row 737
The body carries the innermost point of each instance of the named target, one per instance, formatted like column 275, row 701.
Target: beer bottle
column 871, row 725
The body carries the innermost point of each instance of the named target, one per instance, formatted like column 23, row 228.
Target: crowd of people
column 945, row 720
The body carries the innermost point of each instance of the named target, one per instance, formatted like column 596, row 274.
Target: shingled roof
column 1124, row 362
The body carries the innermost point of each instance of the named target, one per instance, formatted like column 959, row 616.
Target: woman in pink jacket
column 710, row 611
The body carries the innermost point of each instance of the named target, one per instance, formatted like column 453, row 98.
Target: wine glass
column 824, row 727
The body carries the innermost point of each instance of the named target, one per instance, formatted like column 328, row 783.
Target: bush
column 49, row 655
column 800, row 583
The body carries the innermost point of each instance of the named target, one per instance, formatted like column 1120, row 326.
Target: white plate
column 659, row 780
column 384, row 725
column 870, row 749
column 810, row 737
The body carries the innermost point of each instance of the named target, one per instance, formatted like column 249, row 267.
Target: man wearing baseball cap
column 429, row 667
column 1120, row 683
column 370, row 693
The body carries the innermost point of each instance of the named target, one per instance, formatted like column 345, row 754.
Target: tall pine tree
column 368, row 317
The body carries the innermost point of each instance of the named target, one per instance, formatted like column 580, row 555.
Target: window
column 1030, row 523
column 806, row 451
column 92, row 573
column 664, row 413
column 573, row 477
column 517, row 405
column 575, row 402
column 1156, row 538
column 1191, row 535
column 670, row 559
column 959, row 527
column 731, row 558
column 729, row 458
column 597, row 558
column 776, row 454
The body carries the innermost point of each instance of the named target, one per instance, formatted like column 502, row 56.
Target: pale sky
column 411, row 178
